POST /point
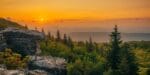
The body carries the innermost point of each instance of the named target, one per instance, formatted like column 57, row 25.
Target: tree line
column 91, row 58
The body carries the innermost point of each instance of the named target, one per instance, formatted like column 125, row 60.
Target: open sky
column 51, row 10
column 75, row 9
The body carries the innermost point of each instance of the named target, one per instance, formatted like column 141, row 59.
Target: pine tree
column 26, row 27
column 58, row 37
column 65, row 39
column 128, row 65
column 49, row 35
column 96, row 47
column 87, row 44
column 70, row 43
column 52, row 38
column 43, row 31
column 47, row 38
column 90, row 47
column 113, row 58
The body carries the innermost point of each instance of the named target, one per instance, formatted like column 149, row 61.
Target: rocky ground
column 25, row 41
column 43, row 65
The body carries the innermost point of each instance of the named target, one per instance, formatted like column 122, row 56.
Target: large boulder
column 52, row 65
column 22, row 41
column 4, row 71
column 39, row 65
column 3, row 44
column 38, row 72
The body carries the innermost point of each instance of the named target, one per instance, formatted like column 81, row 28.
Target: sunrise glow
column 75, row 9
column 76, row 14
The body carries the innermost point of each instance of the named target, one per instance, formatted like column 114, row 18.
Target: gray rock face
column 38, row 72
column 22, row 41
column 52, row 65
column 2, row 42
column 42, row 65
column 4, row 71
column 19, row 72
column 25, row 42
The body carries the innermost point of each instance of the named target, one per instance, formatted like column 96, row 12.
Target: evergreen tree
column 90, row 47
column 49, row 35
column 96, row 47
column 113, row 58
column 128, row 65
column 65, row 39
column 70, row 43
column 87, row 44
column 43, row 31
column 47, row 38
column 26, row 27
column 58, row 37
column 52, row 38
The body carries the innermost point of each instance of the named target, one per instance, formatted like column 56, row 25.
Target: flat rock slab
column 52, row 65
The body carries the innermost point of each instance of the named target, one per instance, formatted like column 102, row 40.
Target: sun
column 42, row 19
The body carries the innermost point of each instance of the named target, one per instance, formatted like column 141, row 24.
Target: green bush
column 13, row 60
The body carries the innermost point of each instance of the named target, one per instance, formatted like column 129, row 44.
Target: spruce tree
column 26, row 27
column 58, row 37
column 52, row 38
column 128, row 65
column 90, row 47
column 48, row 38
column 49, row 35
column 43, row 31
column 65, row 39
column 70, row 43
column 87, row 44
column 113, row 58
column 96, row 47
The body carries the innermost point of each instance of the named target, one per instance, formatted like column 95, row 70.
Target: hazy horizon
column 140, row 25
column 105, row 36
column 131, row 16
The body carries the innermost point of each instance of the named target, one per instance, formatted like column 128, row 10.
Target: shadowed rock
column 22, row 41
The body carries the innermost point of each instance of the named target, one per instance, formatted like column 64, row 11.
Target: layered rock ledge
column 22, row 41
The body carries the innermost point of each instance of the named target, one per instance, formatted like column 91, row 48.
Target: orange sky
column 43, row 10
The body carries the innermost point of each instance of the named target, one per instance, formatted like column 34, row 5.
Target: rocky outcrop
column 25, row 42
column 43, row 65
column 4, row 71
column 22, row 41
column 19, row 72
column 2, row 42
column 52, row 65
column 11, row 72
column 38, row 72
